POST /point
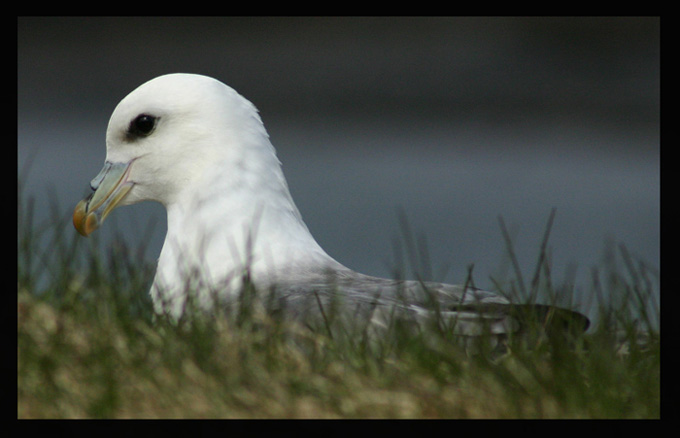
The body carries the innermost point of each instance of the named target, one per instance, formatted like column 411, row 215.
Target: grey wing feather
column 465, row 311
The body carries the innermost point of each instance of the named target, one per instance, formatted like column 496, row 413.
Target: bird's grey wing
column 460, row 310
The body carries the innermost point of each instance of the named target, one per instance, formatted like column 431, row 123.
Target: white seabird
column 199, row 148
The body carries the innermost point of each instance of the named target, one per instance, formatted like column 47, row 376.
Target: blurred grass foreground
column 90, row 347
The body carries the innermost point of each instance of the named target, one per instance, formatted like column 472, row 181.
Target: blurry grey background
column 455, row 121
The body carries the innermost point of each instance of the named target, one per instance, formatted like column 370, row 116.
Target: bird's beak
column 110, row 187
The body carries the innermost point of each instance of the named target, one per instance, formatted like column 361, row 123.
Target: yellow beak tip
column 85, row 223
column 110, row 188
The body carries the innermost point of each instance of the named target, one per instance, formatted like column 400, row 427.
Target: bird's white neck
column 230, row 224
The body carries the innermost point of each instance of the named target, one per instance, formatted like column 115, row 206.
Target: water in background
column 455, row 122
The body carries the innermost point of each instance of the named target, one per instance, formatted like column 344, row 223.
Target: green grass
column 89, row 347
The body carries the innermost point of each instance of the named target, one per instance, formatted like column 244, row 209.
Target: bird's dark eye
column 142, row 125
